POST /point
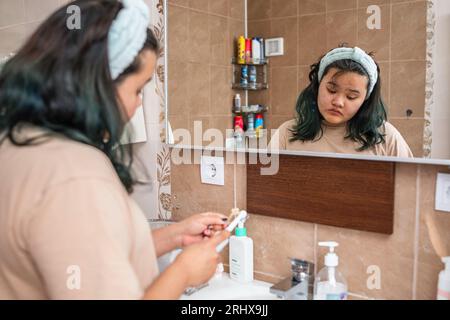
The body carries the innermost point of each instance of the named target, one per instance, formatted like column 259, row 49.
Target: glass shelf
column 250, row 87
column 263, row 62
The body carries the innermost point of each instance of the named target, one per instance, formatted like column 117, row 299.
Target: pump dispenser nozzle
column 331, row 258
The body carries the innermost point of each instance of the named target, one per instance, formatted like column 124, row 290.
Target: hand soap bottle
column 329, row 284
column 241, row 255
column 444, row 281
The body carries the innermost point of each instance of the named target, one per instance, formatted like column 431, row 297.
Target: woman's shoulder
column 60, row 158
column 396, row 145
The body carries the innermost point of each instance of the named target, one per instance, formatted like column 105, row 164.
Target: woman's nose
column 338, row 101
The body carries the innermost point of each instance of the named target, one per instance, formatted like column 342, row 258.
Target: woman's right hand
column 199, row 261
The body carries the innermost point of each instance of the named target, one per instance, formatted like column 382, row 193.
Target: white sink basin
column 224, row 288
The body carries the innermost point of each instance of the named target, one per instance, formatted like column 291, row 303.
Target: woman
column 342, row 111
column 68, row 228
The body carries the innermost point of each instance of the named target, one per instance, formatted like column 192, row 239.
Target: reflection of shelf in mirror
column 261, row 63
column 251, row 87
column 244, row 112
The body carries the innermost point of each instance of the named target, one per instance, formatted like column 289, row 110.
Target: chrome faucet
column 300, row 285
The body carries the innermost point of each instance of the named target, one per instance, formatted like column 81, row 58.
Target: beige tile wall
column 201, row 44
column 408, row 264
column 312, row 27
column 19, row 18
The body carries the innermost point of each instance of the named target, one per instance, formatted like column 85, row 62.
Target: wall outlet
column 212, row 170
column 443, row 192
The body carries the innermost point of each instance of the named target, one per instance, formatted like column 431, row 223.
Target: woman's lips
column 335, row 112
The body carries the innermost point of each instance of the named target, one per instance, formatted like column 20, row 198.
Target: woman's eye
column 331, row 91
column 351, row 98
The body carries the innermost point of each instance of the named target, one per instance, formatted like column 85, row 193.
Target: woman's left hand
column 204, row 225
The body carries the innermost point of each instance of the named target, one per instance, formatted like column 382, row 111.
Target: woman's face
column 341, row 97
column 129, row 90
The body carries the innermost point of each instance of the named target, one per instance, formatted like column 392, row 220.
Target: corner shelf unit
column 261, row 76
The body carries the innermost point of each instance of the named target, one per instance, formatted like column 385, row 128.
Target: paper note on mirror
column 135, row 131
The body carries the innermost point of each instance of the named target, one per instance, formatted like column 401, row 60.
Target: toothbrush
column 240, row 218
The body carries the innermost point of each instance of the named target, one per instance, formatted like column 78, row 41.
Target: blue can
column 244, row 75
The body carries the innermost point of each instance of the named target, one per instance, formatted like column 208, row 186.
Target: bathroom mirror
column 409, row 41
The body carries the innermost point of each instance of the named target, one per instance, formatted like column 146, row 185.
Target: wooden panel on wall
column 352, row 194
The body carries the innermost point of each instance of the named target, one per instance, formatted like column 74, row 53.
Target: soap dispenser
column 444, row 281
column 241, row 255
column 329, row 283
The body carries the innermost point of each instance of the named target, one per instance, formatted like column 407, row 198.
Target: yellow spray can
column 241, row 50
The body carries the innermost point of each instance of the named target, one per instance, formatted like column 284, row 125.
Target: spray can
column 252, row 77
column 259, row 125
column 238, row 129
column 237, row 103
column 248, row 50
column 244, row 76
column 241, row 50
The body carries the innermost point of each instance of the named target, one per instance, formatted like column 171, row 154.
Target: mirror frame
column 429, row 161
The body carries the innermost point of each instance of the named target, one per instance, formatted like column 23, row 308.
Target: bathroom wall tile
column 288, row 29
column 376, row 40
column 283, row 90
column 311, row 6
column 436, row 224
column 303, row 78
column 333, row 5
column 409, row 31
column 178, row 86
column 199, row 37
column 220, row 7
column 412, row 132
column 198, row 125
column 341, row 28
column 199, row 85
column 184, row 3
column 179, row 33
column 260, row 28
column 195, row 197
column 39, row 10
column 364, row 4
column 11, row 12
column 223, row 123
column 237, row 9
column 179, row 124
column 259, row 9
column 201, row 5
column 312, row 39
column 392, row 254
column 408, row 88
column 284, row 8
column 221, row 94
column 385, row 75
column 276, row 240
column 12, row 38
column 219, row 40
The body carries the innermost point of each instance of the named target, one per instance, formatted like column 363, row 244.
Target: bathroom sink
column 224, row 288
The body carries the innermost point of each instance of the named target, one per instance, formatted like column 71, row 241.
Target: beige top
column 68, row 228
column 333, row 141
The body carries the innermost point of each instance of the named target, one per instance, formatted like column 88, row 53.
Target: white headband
column 127, row 35
column 356, row 54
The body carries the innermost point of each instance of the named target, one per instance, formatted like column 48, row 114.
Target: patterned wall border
column 429, row 87
column 163, row 153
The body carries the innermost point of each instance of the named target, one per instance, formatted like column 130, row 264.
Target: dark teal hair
column 60, row 80
column 365, row 127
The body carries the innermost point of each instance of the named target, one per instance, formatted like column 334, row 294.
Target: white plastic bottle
column 444, row 281
column 241, row 256
column 329, row 284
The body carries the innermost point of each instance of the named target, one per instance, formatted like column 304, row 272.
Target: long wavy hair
column 60, row 80
column 366, row 127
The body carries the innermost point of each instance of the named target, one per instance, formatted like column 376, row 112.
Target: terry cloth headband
column 127, row 35
column 356, row 54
